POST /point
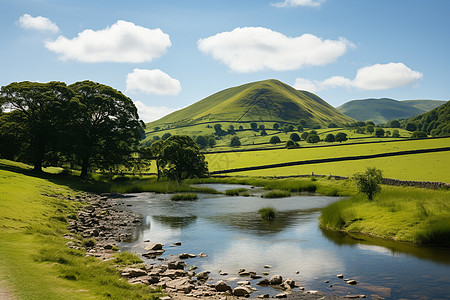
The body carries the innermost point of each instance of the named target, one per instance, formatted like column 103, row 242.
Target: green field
column 427, row 166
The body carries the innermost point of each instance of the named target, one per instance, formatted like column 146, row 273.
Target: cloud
column 152, row 82
column 152, row 113
column 37, row 23
column 122, row 42
column 294, row 3
column 375, row 77
column 251, row 49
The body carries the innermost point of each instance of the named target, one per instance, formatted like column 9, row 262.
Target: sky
column 168, row 54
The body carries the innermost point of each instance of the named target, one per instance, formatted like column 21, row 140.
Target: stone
column 222, row 286
column 340, row 275
column 241, row 291
column 290, row 283
column 263, row 282
column 201, row 254
column 181, row 284
column 281, row 295
column 276, row 279
column 176, row 244
column 186, row 255
column 176, row 265
column 267, row 266
column 133, row 272
column 153, row 246
column 354, row 296
column 243, row 282
column 255, row 276
column 351, row 282
column 223, row 273
column 264, row 296
column 203, row 275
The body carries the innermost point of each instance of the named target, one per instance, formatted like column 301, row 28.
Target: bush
column 275, row 140
column 295, row 137
column 277, row 194
column 369, row 182
column 419, row 135
column 341, row 137
column 187, row 196
column 312, row 138
column 292, row 145
column 235, row 141
column 330, row 138
column 267, row 213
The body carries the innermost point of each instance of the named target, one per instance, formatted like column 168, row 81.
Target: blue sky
column 167, row 54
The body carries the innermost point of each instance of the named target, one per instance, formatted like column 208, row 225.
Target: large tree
column 105, row 126
column 43, row 109
column 180, row 158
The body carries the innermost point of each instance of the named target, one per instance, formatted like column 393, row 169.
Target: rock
column 203, row 275
column 153, row 246
column 290, row 282
column 176, row 244
column 312, row 292
column 254, row 276
column 340, row 275
column 192, row 268
column 355, row 296
column 176, row 265
column 351, row 282
column 165, row 298
column 264, row 296
column 222, row 286
column 241, row 291
column 263, row 282
column 265, row 273
column 243, row 282
column 223, row 273
column 267, row 266
column 133, row 272
column 201, row 254
column 181, row 284
column 326, row 281
column 281, row 295
column 186, row 255
column 276, row 279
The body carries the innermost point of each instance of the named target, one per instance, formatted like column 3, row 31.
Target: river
column 233, row 235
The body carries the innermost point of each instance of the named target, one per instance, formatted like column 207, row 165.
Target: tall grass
column 276, row 194
column 185, row 197
column 235, row 192
column 161, row 186
column 267, row 213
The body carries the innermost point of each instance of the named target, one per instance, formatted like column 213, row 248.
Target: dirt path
column 5, row 291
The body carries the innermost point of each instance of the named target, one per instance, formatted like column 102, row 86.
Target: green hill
column 385, row 109
column 436, row 122
column 262, row 101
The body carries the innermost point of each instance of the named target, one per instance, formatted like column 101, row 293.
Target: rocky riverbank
column 102, row 226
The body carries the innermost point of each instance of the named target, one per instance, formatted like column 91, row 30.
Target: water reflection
column 363, row 242
column 175, row 222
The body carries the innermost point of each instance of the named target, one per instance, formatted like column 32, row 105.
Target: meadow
column 34, row 258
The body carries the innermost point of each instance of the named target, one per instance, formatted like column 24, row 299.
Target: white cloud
column 38, row 23
column 294, row 3
column 152, row 113
column 122, row 42
column 251, row 49
column 152, row 82
column 375, row 77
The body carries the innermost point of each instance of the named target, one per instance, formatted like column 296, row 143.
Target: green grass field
column 34, row 259
column 427, row 166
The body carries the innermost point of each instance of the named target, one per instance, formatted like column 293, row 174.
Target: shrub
column 419, row 135
column 186, row 196
column 275, row 140
column 235, row 141
column 312, row 138
column 267, row 213
column 295, row 137
column 330, row 138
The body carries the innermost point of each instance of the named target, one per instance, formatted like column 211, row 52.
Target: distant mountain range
column 385, row 109
column 262, row 101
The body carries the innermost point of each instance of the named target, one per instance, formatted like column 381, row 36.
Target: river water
column 233, row 235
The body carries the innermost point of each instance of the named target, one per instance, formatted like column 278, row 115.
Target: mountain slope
column 435, row 122
column 268, row 100
column 385, row 109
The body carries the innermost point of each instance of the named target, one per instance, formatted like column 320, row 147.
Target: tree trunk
column 84, row 167
column 37, row 166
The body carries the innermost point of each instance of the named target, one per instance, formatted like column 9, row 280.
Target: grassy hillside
column 379, row 110
column 425, row 105
column 268, row 100
column 435, row 122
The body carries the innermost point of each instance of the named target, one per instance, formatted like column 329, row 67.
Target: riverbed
column 230, row 231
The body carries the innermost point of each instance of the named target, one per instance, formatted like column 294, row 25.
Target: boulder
column 351, row 281
column 276, row 279
column 290, row 283
column 186, row 255
column 176, row 265
column 340, row 275
column 133, row 272
column 153, row 246
column 241, row 291
column 222, row 286
column 203, row 275
column 263, row 282
column 281, row 295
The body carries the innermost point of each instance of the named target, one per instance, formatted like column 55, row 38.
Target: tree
column 262, row 127
column 295, row 137
column 154, row 153
column 291, row 144
column 395, row 133
column 263, row 133
column 379, row 132
column 411, row 127
column 231, row 130
column 388, row 133
column 303, row 123
column 218, row 130
column 419, row 135
column 275, row 140
column 181, row 158
column 235, row 141
column 166, row 135
column 201, row 141
column 241, row 128
column 105, row 128
column 276, row 126
column 394, row 124
column 341, row 137
column 369, row 182
column 370, row 129
column 291, row 128
column 332, row 125
column 304, row 135
column 13, row 135
column 330, row 138
column 300, row 128
column 312, row 138
column 361, row 130
column 211, row 142
column 254, row 126
column 43, row 112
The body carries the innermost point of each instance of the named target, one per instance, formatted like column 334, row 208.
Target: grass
column 415, row 215
column 185, row 197
column 267, row 213
column 161, row 186
column 235, row 192
column 34, row 259
column 276, row 194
